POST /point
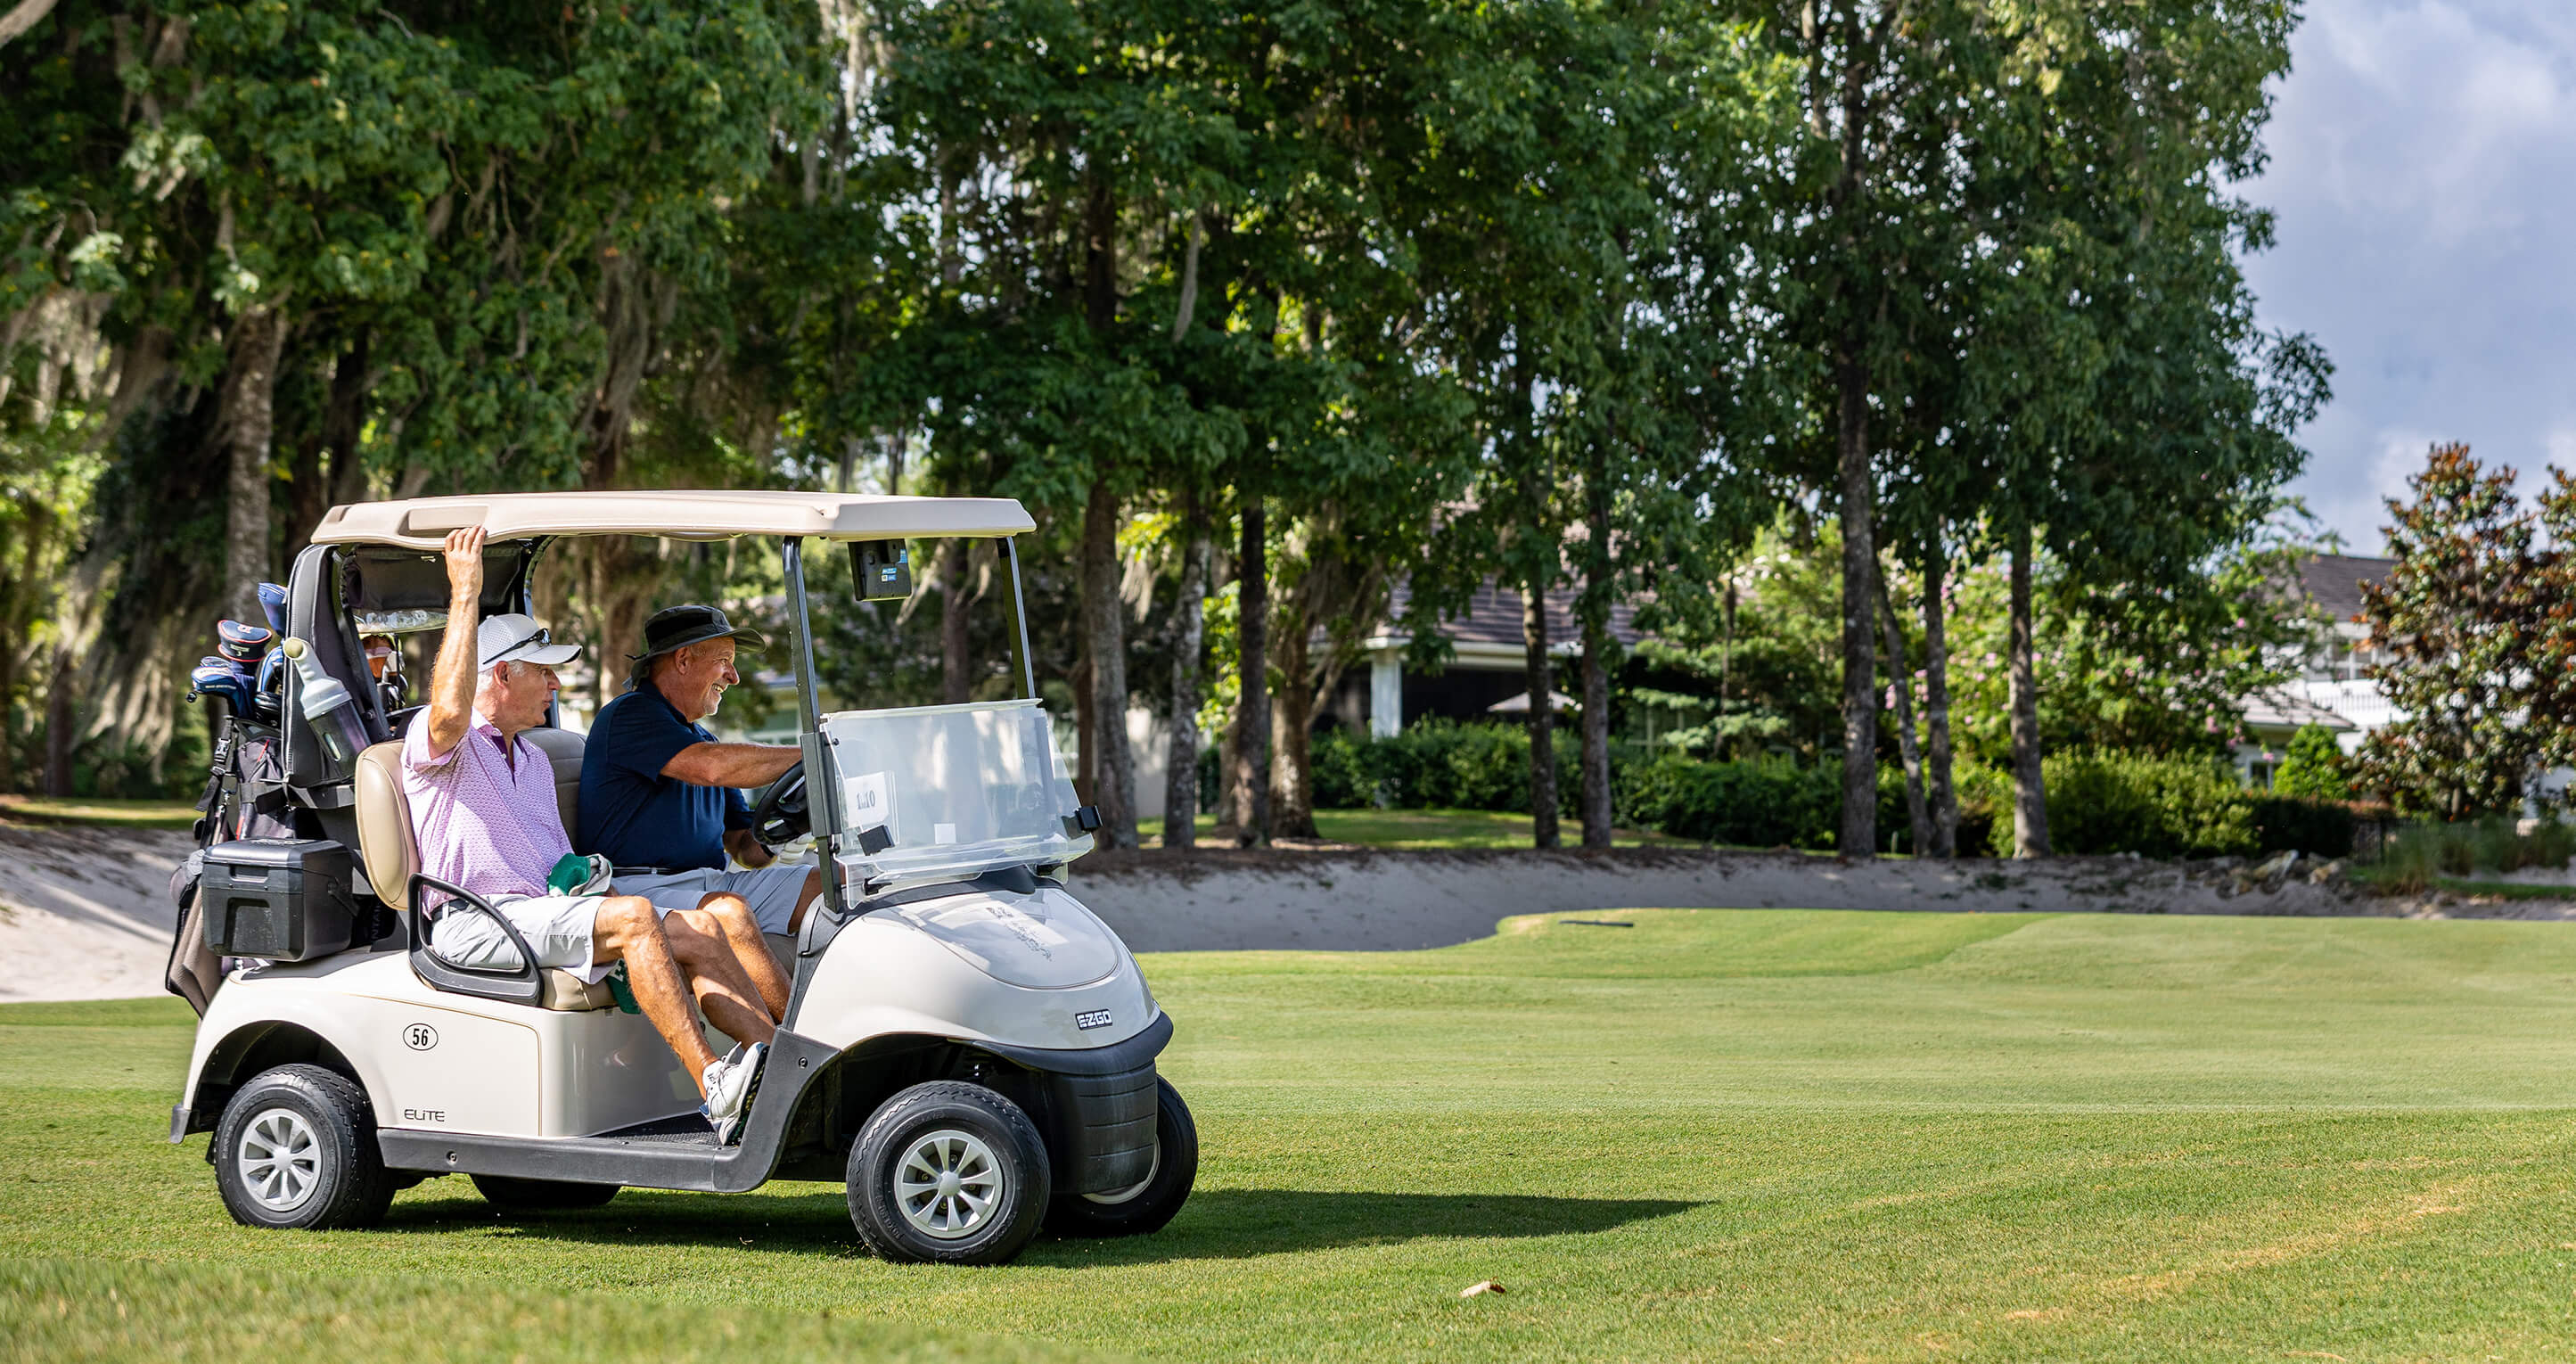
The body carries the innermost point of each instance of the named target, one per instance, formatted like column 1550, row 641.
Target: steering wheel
column 781, row 816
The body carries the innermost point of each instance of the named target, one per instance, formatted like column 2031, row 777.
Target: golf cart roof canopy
column 423, row 522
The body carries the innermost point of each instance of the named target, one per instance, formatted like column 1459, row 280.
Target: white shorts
column 771, row 891
column 560, row 929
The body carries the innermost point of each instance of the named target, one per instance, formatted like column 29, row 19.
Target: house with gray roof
column 1488, row 672
column 2330, row 688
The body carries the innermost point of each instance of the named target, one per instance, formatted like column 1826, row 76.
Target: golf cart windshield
column 950, row 789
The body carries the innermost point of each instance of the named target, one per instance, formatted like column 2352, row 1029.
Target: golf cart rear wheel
column 541, row 1195
column 296, row 1148
column 948, row 1173
column 1145, row 1207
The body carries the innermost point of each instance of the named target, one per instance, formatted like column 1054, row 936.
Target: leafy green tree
column 2136, row 421
column 2458, row 617
column 2313, row 767
column 1892, row 94
column 402, row 249
column 1590, row 228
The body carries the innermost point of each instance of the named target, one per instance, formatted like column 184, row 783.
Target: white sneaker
column 729, row 1085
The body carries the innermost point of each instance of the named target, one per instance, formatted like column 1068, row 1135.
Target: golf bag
column 245, row 794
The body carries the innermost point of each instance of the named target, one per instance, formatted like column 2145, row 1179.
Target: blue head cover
column 242, row 642
column 215, row 677
column 272, row 603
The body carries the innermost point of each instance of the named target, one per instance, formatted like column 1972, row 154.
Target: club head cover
column 243, row 642
column 272, row 603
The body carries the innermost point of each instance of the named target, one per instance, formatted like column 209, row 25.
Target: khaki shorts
column 560, row 929
column 771, row 891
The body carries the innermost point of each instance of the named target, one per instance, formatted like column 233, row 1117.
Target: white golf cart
column 967, row 1048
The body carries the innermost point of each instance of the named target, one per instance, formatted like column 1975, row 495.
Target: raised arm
column 451, row 696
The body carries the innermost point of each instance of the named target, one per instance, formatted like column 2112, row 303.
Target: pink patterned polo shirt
column 486, row 822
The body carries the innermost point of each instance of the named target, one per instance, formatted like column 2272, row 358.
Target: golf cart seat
column 391, row 851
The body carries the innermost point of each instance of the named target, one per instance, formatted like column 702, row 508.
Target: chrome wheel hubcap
column 948, row 1184
column 279, row 1159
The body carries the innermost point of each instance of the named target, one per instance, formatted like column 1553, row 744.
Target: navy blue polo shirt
column 633, row 814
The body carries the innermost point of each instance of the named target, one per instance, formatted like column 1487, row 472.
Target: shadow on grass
column 1217, row 1224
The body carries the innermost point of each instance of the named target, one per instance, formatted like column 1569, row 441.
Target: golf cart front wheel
column 296, row 1148
column 1145, row 1207
column 541, row 1195
column 948, row 1173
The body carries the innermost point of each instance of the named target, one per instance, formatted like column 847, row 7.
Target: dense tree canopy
column 1266, row 311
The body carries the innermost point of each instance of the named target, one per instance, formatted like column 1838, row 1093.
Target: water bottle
column 328, row 707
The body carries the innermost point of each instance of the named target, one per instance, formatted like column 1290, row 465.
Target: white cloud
column 2424, row 172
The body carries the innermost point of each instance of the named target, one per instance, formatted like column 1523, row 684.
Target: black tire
column 296, row 1148
column 989, row 1141
column 1145, row 1208
column 542, row 1195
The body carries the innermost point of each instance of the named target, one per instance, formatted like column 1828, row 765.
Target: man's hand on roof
column 465, row 563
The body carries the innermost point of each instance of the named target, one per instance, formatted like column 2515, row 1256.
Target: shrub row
column 2114, row 802
column 2098, row 802
column 1437, row 763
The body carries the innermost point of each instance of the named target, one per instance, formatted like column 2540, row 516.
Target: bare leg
column 805, row 899
column 628, row 930
column 716, row 977
column 732, row 916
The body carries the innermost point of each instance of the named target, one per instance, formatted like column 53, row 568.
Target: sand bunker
column 85, row 913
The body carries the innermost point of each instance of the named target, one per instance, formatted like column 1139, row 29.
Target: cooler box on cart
column 285, row 899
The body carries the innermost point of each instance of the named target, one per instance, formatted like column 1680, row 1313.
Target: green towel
column 617, row 989
column 575, row 874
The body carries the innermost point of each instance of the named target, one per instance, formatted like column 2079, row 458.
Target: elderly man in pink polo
column 483, row 803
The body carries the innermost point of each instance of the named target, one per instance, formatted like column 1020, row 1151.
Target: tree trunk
column 2030, row 791
column 635, row 306
column 344, row 419
column 59, row 721
column 1943, row 796
column 1860, row 648
column 1292, row 722
column 956, row 674
column 1540, row 671
column 1594, row 754
column 1105, row 622
column 1249, row 802
column 1086, row 722
column 1189, row 638
column 18, row 601
column 1918, row 819
column 619, row 585
column 24, row 15
column 9, row 640
column 249, row 404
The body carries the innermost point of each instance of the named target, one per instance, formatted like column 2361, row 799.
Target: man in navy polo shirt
column 662, row 799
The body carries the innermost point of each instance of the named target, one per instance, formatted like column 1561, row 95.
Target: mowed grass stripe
column 1717, row 1135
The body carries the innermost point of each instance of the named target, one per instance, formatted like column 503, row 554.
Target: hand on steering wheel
column 781, row 816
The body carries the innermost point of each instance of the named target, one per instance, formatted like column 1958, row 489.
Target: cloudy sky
column 2424, row 173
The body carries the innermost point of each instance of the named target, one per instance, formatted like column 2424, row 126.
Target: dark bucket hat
column 677, row 627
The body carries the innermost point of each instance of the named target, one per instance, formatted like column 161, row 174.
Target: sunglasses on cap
column 542, row 636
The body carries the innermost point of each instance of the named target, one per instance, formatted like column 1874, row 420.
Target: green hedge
column 2098, row 801
column 2294, row 823
column 1762, row 802
column 2113, row 802
column 1438, row 764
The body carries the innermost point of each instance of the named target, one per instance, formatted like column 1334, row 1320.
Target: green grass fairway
column 1428, row 829
column 1718, row 1135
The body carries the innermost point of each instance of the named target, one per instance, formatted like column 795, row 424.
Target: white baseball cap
column 513, row 637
